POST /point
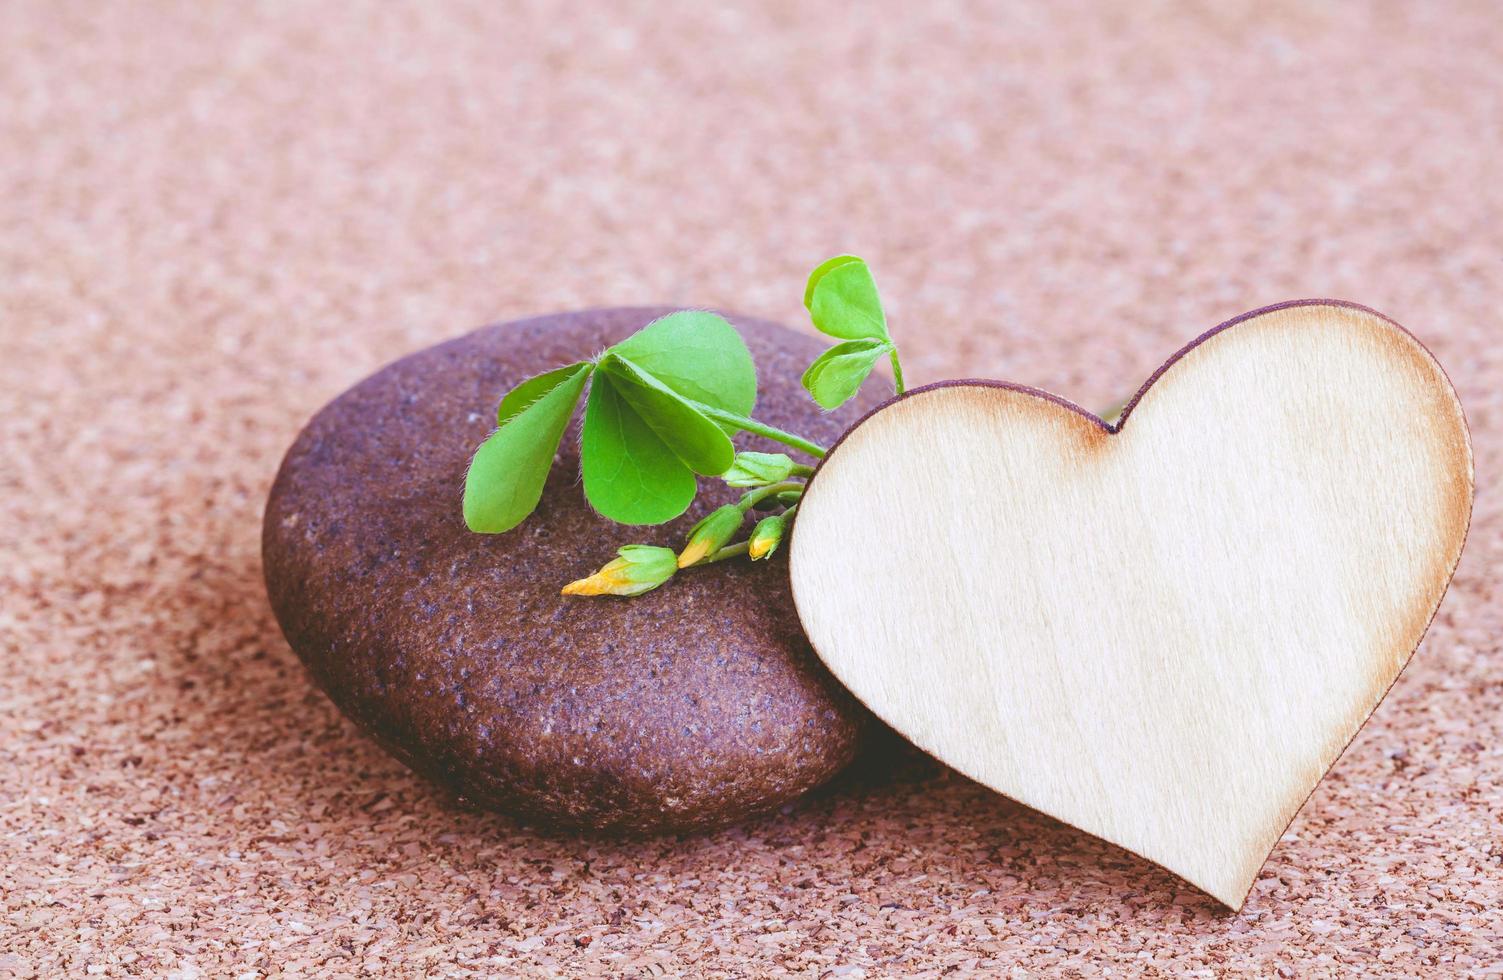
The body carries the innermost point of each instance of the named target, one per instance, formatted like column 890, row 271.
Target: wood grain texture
column 1163, row 633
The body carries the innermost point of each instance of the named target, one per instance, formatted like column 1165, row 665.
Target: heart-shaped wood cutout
column 1163, row 632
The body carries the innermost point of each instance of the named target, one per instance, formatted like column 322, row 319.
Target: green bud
column 711, row 534
column 766, row 536
column 639, row 568
column 758, row 469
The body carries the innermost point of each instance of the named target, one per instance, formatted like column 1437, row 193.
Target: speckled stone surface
column 216, row 217
column 683, row 709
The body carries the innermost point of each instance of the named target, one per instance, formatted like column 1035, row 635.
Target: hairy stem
column 762, row 429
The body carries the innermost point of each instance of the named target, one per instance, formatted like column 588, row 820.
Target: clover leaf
column 648, row 428
column 701, row 444
column 660, row 406
column 530, row 391
column 842, row 300
column 839, row 372
column 506, row 476
column 843, row 303
column 630, row 474
column 698, row 355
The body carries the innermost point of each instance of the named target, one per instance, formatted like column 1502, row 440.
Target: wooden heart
column 1162, row 632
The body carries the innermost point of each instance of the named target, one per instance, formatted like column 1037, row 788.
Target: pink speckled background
column 214, row 217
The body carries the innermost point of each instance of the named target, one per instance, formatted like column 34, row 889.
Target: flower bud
column 766, row 536
column 758, row 469
column 639, row 568
column 711, row 534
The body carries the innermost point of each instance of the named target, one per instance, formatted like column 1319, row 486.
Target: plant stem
column 729, row 551
column 799, row 469
column 897, row 372
column 750, row 498
column 762, row 429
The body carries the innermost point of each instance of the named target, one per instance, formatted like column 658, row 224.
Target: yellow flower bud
column 639, row 568
column 766, row 536
column 711, row 534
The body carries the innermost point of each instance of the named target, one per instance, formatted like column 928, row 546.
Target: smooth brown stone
column 686, row 708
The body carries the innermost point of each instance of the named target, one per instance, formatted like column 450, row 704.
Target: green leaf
column 630, row 475
column 701, row 444
column 837, row 373
column 843, row 302
column 698, row 355
column 506, row 476
column 533, row 389
column 821, row 270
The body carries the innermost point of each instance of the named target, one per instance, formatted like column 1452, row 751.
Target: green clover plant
column 843, row 303
column 660, row 409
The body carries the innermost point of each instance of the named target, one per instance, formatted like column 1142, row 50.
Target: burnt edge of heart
column 1109, row 429
column 1158, row 372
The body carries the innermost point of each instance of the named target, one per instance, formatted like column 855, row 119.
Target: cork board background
column 213, row 218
